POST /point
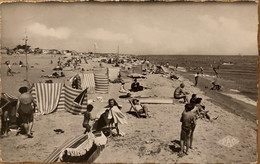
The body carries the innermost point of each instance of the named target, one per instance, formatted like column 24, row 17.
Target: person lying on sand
column 180, row 94
column 87, row 118
column 188, row 120
column 141, row 108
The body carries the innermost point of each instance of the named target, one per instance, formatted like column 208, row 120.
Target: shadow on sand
column 175, row 146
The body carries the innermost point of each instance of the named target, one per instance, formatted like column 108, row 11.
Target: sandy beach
column 231, row 138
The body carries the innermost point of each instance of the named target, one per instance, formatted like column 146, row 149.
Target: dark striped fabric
column 71, row 143
column 57, row 96
column 67, row 101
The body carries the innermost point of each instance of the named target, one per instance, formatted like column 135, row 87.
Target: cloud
column 43, row 30
column 102, row 34
column 220, row 35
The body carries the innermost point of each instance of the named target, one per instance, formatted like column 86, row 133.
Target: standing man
column 188, row 120
column 196, row 78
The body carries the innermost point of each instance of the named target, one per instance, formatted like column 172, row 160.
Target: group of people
column 135, row 87
column 107, row 121
column 215, row 84
column 193, row 111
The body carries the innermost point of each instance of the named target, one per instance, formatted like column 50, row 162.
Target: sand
column 231, row 138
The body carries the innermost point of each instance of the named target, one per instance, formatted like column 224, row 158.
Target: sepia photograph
column 128, row 82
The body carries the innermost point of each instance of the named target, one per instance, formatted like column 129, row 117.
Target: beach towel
column 118, row 116
column 47, row 96
column 101, row 83
column 113, row 73
column 88, row 81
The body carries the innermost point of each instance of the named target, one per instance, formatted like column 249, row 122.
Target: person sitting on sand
column 55, row 75
column 141, row 108
column 76, row 82
column 193, row 98
column 122, row 88
column 25, row 110
column 21, row 64
column 201, row 110
column 135, row 86
column 188, row 120
column 180, row 94
column 215, row 86
column 62, row 74
column 87, row 118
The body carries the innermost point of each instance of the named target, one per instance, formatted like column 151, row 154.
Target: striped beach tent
column 113, row 73
column 88, row 81
column 47, row 96
column 67, row 100
column 101, row 82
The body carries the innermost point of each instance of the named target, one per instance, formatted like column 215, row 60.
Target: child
column 188, row 122
column 87, row 118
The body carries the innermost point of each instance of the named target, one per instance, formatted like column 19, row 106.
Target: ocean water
column 239, row 73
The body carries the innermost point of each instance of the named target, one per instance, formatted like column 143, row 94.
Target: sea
column 237, row 73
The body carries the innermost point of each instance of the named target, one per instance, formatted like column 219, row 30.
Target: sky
column 137, row 28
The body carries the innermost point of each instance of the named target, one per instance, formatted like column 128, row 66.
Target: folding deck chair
column 132, row 107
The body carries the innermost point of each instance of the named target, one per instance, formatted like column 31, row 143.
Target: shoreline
column 238, row 107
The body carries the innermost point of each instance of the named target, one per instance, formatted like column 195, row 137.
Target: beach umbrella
column 136, row 75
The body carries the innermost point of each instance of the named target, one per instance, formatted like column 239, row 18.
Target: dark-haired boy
column 87, row 118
